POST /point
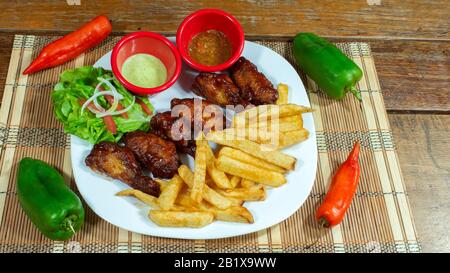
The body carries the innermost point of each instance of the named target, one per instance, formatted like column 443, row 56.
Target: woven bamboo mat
column 379, row 219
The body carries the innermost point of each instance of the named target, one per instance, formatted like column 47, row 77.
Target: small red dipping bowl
column 149, row 43
column 210, row 19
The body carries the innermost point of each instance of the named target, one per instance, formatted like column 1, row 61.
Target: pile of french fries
column 241, row 170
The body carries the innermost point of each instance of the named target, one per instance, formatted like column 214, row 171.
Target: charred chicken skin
column 162, row 124
column 254, row 86
column 171, row 127
column 155, row 154
column 120, row 163
column 217, row 88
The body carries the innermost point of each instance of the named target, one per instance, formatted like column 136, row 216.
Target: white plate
column 125, row 212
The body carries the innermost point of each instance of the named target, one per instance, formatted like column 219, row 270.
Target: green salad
column 93, row 105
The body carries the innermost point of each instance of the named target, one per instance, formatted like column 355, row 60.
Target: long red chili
column 71, row 45
column 341, row 192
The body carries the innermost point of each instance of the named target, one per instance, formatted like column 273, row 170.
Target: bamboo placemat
column 379, row 219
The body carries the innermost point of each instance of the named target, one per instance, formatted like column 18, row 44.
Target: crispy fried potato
column 235, row 180
column 142, row 196
column 195, row 219
column 209, row 194
column 245, row 183
column 284, row 110
column 168, row 196
column 235, row 213
column 283, row 94
column 199, row 173
column 256, row 193
column 232, row 214
column 219, row 177
column 275, row 157
column 162, row 183
column 184, row 200
column 267, row 112
column 292, row 137
column 250, row 172
column 247, row 158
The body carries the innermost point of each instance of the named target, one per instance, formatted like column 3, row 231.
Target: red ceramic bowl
column 207, row 19
column 149, row 43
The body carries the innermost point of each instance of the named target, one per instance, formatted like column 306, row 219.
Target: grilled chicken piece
column 255, row 87
column 217, row 88
column 161, row 125
column 155, row 154
column 205, row 118
column 119, row 163
column 180, row 128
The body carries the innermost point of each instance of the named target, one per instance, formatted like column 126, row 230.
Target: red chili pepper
column 110, row 99
column 341, row 192
column 108, row 120
column 71, row 45
column 144, row 107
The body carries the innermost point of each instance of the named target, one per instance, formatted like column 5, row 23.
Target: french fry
column 283, row 94
column 275, row 157
column 184, row 199
column 247, row 158
column 232, row 214
column 217, row 176
column 268, row 112
column 283, row 111
column 245, row 183
column 142, row 196
column 162, row 183
column 209, row 194
column 292, row 137
column 199, row 173
column 235, row 180
column 195, row 219
column 250, row 172
column 168, row 196
column 256, row 193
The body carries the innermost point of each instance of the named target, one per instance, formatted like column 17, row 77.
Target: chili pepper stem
column 356, row 92
column 323, row 222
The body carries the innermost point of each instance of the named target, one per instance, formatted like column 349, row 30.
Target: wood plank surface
column 414, row 75
column 423, row 146
column 371, row 18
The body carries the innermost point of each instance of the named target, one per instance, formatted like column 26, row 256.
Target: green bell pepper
column 45, row 198
column 323, row 62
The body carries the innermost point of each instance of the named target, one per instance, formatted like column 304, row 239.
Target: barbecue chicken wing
column 255, row 87
column 161, row 125
column 217, row 88
column 180, row 128
column 119, row 163
column 155, row 154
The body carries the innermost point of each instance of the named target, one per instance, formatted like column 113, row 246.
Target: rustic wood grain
column 414, row 75
column 392, row 18
column 423, row 145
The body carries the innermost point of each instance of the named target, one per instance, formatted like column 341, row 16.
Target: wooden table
column 410, row 43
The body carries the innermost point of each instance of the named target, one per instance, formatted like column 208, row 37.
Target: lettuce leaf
column 78, row 84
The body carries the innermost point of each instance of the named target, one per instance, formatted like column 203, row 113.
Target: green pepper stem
column 356, row 92
column 71, row 226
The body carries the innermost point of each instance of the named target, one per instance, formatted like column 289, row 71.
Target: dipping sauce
column 144, row 70
column 210, row 48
